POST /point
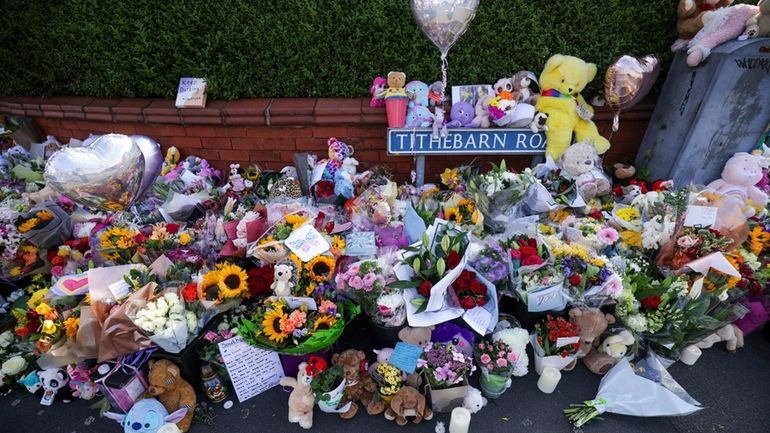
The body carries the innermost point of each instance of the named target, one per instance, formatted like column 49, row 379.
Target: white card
column 119, row 289
column 191, row 93
column 251, row 370
column 563, row 341
column 307, row 243
column 295, row 302
column 700, row 216
column 189, row 178
column 478, row 319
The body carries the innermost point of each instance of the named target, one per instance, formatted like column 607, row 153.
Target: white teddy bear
column 473, row 400
column 581, row 161
column 282, row 276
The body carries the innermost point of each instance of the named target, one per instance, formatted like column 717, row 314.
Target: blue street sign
column 465, row 141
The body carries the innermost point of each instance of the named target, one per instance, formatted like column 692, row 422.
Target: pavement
column 733, row 389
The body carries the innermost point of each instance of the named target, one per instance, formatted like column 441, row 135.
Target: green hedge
column 271, row 48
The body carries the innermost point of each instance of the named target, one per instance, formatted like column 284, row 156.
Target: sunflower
column 320, row 268
column 297, row 263
column 28, row 225
column 295, row 220
column 232, row 281
column 271, row 324
column 453, row 213
column 759, row 240
column 209, row 288
column 324, row 322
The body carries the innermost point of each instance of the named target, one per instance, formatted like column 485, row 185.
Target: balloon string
column 444, row 65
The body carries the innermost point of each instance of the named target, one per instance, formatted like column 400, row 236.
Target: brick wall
column 270, row 131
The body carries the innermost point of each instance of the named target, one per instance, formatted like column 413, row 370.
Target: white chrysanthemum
column 391, row 300
column 637, row 323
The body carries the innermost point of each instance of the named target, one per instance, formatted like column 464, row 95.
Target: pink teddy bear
column 379, row 85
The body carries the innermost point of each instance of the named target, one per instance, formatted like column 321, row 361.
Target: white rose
column 162, row 306
column 222, row 326
column 6, row 338
column 151, row 306
column 176, row 309
column 171, row 298
column 14, row 366
column 145, row 324
column 159, row 323
column 192, row 322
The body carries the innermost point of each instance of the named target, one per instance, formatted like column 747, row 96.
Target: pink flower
column 210, row 336
column 686, row 241
column 490, row 367
column 356, row 282
column 614, row 286
column 369, row 279
column 297, row 318
column 513, row 357
column 501, row 354
column 485, row 359
column 226, row 334
column 481, row 346
column 502, row 362
column 608, row 235
column 57, row 271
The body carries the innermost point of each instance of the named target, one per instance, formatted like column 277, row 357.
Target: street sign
column 465, row 141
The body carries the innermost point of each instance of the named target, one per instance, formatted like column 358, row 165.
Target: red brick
column 368, row 155
column 54, row 113
column 246, row 108
column 76, row 103
column 340, row 132
column 232, row 132
column 212, row 109
column 100, row 105
column 245, row 120
column 184, row 142
column 292, row 106
column 245, row 143
column 293, row 120
column 161, row 107
column 233, row 155
column 160, row 118
column 367, row 132
column 210, row 155
column 122, row 128
column 338, row 106
column 265, row 155
column 130, row 106
column 31, row 113
column 200, row 131
column 18, row 112
column 129, row 118
column 375, row 119
column 167, row 130
column 216, row 143
column 374, row 144
column 202, row 120
column 263, row 132
column 339, row 119
column 43, row 122
column 316, row 145
column 80, row 134
column 99, row 117
column 74, row 115
column 33, row 105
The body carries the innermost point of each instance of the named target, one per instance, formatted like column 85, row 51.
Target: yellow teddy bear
column 562, row 80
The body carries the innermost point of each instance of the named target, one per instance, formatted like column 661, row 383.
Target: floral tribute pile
column 618, row 279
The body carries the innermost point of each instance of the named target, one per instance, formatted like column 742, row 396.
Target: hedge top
column 264, row 48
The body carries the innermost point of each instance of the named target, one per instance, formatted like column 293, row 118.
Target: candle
column 460, row 421
column 549, row 378
column 690, row 354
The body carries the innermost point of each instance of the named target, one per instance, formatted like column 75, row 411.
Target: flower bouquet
column 366, row 283
column 590, row 233
column 692, row 243
column 446, row 369
column 495, row 191
column 527, row 254
column 327, row 384
column 541, row 290
column 555, row 343
column 26, row 261
column 389, row 380
column 463, row 212
column 497, row 361
column 490, row 260
column 585, row 274
column 117, row 245
column 166, row 321
column 278, row 326
column 46, row 225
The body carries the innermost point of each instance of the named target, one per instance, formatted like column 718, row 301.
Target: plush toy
column 175, row 393
column 457, row 336
column 171, row 160
column 461, row 115
column 722, row 25
column 610, row 351
column 504, row 88
column 691, row 15
column 147, row 416
column 169, row 427
column 439, row 427
column 623, row 171
column 592, row 323
column 473, row 400
column 408, row 402
column 521, row 91
column 436, row 94
column 731, row 334
column 419, row 336
column 539, row 122
column 343, row 179
column 396, row 81
column 379, row 86
column 80, row 381
column 517, row 339
column 338, row 151
column 32, row 382
column 359, row 384
column 562, row 80
column 54, row 384
column 301, row 399
column 739, row 177
column 417, row 92
column 236, row 180
column 758, row 26
column 583, row 164
column 283, row 278
column 481, row 112
column 439, row 123
column 418, row 116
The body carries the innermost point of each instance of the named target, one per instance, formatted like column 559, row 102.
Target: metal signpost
column 462, row 141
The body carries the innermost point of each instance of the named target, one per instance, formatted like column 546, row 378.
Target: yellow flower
column 627, row 214
column 297, row 262
column 209, row 287
column 631, row 238
column 43, row 309
column 558, row 215
column 338, row 244
column 450, row 178
column 36, row 298
column 759, row 240
column 87, row 299
column 546, row 229
column 28, row 225
column 15, row 271
column 159, row 233
column 295, row 220
column 271, row 325
column 324, row 322
column 320, row 268
column 49, row 327
column 71, row 326
column 184, row 238
column 428, row 192
column 475, row 217
column 44, row 215
column 232, row 281
column 310, row 289
column 453, row 213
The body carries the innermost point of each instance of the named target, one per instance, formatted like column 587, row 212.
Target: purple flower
column 369, row 280
column 356, row 282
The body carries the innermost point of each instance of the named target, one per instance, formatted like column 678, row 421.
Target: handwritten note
column 405, row 356
column 252, row 370
column 700, row 216
column 478, row 319
column 191, row 93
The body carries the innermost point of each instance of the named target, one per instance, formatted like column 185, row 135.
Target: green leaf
column 422, row 307
column 405, row 284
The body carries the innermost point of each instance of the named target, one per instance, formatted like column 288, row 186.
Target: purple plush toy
column 461, row 116
column 455, row 335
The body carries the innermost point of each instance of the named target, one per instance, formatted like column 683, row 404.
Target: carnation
column 608, row 235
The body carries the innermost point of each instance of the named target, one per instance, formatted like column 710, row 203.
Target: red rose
column 481, row 300
column 22, row 332
column 424, row 288
column 324, row 189
column 329, row 227
column 652, row 302
column 478, row 287
column 596, row 214
column 140, row 238
column 32, row 315
column 532, row 260
column 452, row 259
column 57, row 260
column 172, row 228
column 574, row 279
column 190, row 292
column 467, row 303
column 515, row 254
column 528, row 251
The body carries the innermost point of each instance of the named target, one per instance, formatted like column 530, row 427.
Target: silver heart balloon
column 444, row 21
column 106, row 174
column 153, row 161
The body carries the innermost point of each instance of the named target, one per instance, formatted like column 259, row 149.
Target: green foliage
column 263, row 48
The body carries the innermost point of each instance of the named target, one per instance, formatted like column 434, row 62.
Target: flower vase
column 335, row 396
column 566, row 363
column 444, row 400
column 494, row 385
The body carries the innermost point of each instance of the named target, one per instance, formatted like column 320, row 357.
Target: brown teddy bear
column 690, row 18
column 408, row 402
column 419, row 337
column 359, row 384
column 592, row 323
column 173, row 392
